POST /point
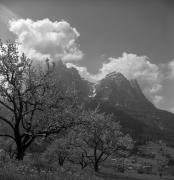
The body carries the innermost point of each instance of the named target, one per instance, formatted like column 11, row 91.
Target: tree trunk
column 83, row 166
column 61, row 161
column 96, row 167
column 20, row 154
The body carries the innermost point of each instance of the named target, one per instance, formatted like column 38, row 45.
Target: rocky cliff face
column 117, row 95
column 122, row 93
column 69, row 79
column 126, row 101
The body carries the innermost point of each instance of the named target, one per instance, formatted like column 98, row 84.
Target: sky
column 97, row 37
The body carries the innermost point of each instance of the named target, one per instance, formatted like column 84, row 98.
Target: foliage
column 161, row 158
column 8, row 149
column 16, row 170
column 32, row 105
column 99, row 138
column 78, row 155
column 58, row 151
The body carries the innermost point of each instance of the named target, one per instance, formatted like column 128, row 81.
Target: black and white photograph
column 86, row 89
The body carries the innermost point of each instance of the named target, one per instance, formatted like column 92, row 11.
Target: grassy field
column 108, row 172
column 131, row 176
column 26, row 171
column 104, row 174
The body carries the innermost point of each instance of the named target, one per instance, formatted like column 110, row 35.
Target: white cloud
column 58, row 40
column 46, row 39
column 171, row 110
column 157, row 99
column 132, row 66
column 83, row 72
column 171, row 70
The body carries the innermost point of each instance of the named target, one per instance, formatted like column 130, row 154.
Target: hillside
column 117, row 95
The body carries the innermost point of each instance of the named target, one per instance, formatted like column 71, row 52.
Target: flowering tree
column 78, row 155
column 58, row 151
column 31, row 103
column 99, row 138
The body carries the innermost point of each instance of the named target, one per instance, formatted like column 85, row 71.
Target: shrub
column 15, row 170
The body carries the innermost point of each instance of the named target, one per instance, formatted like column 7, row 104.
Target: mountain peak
column 115, row 75
column 116, row 79
column 116, row 89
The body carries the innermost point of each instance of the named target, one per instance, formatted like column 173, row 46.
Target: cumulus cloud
column 132, row 66
column 46, row 39
column 171, row 109
column 83, row 72
column 171, row 70
column 157, row 99
column 58, row 40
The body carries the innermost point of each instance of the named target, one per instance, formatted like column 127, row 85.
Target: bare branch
column 7, row 135
column 24, row 126
column 5, row 105
column 35, row 108
column 6, row 121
